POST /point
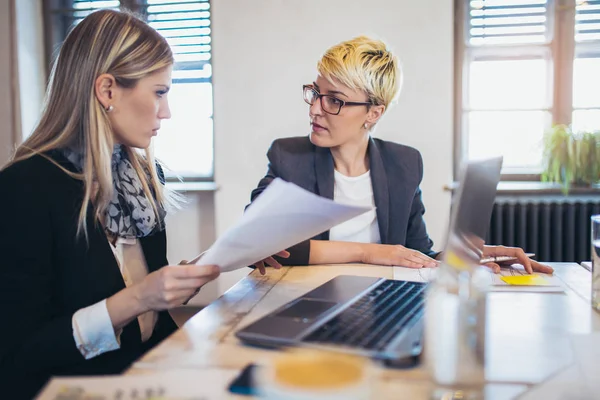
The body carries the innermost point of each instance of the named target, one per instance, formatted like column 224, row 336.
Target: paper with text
column 282, row 216
column 196, row 384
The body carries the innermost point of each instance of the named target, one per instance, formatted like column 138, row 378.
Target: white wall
column 30, row 54
column 265, row 50
column 7, row 106
column 190, row 231
column 22, row 74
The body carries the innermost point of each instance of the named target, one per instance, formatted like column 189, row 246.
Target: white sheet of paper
column 587, row 265
column 197, row 384
column 282, row 216
column 587, row 357
column 567, row 384
column 496, row 284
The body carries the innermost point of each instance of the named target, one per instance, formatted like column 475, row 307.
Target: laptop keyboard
column 376, row 318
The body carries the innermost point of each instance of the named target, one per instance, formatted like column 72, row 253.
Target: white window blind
column 502, row 22
column 186, row 26
column 586, row 67
column 185, row 142
column 82, row 8
column 587, row 21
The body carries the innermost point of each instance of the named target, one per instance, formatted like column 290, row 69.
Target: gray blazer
column 396, row 172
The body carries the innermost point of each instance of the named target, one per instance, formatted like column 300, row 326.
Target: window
column 586, row 66
column 523, row 65
column 185, row 142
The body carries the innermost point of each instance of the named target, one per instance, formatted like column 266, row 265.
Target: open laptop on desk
column 377, row 317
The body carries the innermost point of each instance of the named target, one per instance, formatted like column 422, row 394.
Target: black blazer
column 396, row 172
column 46, row 274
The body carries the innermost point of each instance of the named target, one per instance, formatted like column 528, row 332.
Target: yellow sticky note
column 453, row 260
column 525, row 280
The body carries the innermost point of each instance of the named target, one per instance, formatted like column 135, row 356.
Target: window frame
column 55, row 33
column 560, row 50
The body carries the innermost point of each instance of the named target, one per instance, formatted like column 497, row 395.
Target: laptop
column 376, row 317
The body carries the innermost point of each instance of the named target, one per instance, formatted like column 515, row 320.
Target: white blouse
column 358, row 191
column 92, row 328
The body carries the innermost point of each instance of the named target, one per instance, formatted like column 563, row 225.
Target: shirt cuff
column 93, row 331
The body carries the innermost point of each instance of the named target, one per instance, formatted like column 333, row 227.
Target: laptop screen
column 471, row 212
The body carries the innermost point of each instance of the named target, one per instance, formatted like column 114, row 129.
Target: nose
column 164, row 112
column 316, row 107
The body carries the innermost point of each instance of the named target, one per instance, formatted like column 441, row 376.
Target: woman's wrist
column 363, row 251
column 137, row 299
column 125, row 306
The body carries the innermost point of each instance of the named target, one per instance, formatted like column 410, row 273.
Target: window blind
column 507, row 22
column 185, row 24
column 587, row 21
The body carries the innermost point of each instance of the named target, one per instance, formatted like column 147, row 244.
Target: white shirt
column 357, row 191
column 92, row 328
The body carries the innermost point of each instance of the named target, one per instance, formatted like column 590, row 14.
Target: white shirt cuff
column 93, row 331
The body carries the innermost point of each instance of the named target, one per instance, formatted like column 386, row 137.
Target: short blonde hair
column 364, row 64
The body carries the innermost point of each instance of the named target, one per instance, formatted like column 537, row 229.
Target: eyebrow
column 167, row 87
column 331, row 91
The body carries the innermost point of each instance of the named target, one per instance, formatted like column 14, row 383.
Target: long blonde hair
column 114, row 43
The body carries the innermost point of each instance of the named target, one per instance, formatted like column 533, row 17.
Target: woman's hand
column 271, row 262
column 386, row 254
column 529, row 264
column 173, row 285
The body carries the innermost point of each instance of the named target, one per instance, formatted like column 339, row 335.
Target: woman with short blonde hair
column 357, row 82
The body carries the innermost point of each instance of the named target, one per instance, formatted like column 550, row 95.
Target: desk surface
column 527, row 342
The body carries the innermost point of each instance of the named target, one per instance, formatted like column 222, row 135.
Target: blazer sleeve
column 417, row 237
column 35, row 335
column 299, row 253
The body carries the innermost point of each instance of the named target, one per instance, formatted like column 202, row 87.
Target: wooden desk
column 527, row 342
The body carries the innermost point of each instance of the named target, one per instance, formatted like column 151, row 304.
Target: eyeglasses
column 329, row 104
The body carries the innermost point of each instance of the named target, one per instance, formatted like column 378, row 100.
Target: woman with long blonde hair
column 84, row 281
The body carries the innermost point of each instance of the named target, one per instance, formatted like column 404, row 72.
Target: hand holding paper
column 270, row 261
column 282, row 216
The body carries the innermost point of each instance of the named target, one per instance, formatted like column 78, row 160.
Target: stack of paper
column 513, row 278
column 282, row 216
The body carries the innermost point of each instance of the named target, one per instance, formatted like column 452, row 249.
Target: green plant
column 571, row 158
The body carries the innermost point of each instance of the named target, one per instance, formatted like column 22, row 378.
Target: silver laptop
column 377, row 317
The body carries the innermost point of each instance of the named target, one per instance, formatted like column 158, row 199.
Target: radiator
column 555, row 229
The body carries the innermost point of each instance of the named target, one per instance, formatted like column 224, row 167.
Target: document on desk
column 282, row 216
column 167, row 385
column 586, row 349
column 566, row 384
column 501, row 282
column 587, row 265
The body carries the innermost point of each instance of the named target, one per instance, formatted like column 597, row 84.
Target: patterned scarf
column 129, row 213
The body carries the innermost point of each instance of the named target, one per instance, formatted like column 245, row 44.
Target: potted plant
column 571, row 158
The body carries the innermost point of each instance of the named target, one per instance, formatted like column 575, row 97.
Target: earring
column 109, row 108
column 366, row 125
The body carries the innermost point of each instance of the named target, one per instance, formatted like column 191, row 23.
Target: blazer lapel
column 325, row 180
column 324, row 171
column 381, row 192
